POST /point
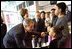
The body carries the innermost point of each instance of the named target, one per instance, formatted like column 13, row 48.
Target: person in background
column 53, row 17
column 42, row 26
column 37, row 26
column 47, row 19
column 24, row 13
column 3, row 31
column 68, row 15
column 47, row 23
column 37, row 21
column 42, row 15
column 60, row 10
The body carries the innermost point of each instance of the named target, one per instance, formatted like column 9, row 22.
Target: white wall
column 43, row 3
column 11, row 19
column 46, row 5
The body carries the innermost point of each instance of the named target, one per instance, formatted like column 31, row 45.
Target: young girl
column 55, row 34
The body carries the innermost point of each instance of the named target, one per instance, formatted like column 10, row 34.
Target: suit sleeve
column 19, row 41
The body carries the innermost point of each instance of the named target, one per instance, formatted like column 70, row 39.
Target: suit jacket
column 54, row 43
column 54, row 20
column 62, row 22
column 40, row 25
column 18, row 38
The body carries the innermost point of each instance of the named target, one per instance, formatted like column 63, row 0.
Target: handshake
column 43, row 34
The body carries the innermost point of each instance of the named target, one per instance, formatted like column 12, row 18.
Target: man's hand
column 43, row 34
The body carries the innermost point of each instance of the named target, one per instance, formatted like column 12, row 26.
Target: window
column 17, row 8
column 31, row 14
column 53, row 2
column 20, row 6
column 23, row 4
column 31, row 3
column 27, row 3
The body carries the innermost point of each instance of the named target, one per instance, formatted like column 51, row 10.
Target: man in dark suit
column 20, row 35
column 37, row 22
column 39, row 25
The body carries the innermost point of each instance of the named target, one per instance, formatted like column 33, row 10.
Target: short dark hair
column 43, row 12
column 62, row 6
column 52, row 9
column 23, row 12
